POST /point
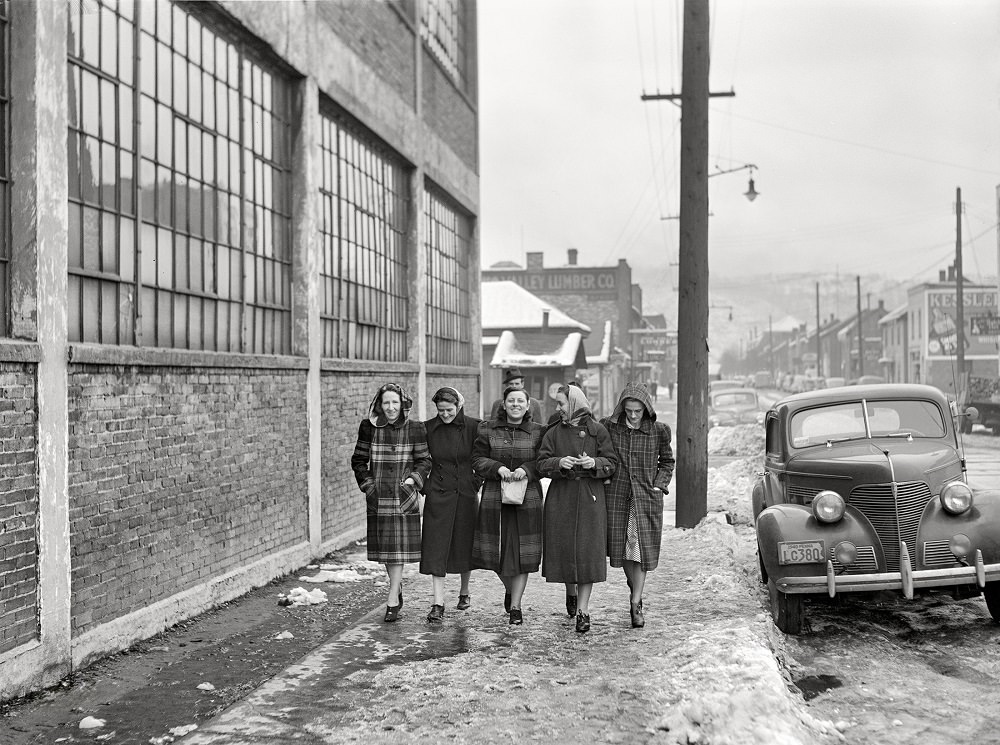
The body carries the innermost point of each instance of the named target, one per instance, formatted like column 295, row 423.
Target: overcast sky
column 862, row 117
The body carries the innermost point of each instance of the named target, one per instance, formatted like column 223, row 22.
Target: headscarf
column 375, row 414
column 452, row 396
column 579, row 406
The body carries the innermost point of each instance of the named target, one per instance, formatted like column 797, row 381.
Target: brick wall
column 448, row 113
column 18, row 507
column 377, row 34
column 176, row 476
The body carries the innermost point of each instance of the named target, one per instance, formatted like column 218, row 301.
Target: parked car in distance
column 835, row 382
column 863, row 490
column 762, row 379
column 727, row 408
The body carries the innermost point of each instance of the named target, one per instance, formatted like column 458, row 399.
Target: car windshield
column 846, row 421
column 731, row 399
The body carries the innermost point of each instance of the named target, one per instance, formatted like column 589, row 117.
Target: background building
column 224, row 224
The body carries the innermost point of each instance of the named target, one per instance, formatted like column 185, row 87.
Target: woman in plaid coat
column 508, row 537
column 635, row 495
column 391, row 462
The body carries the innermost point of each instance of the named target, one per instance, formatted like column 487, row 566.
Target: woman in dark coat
column 635, row 495
column 508, row 537
column 578, row 456
column 391, row 463
column 452, row 499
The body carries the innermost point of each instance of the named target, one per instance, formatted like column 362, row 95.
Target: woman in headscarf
column 391, row 463
column 451, row 499
column 508, row 537
column 635, row 495
column 578, row 456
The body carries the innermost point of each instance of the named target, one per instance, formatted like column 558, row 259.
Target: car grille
column 938, row 554
column 865, row 563
column 894, row 522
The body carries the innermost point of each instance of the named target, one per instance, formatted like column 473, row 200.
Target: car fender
column 981, row 524
column 757, row 497
column 795, row 522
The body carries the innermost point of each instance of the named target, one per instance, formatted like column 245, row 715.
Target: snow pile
column 730, row 486
column 744, row 439
column 300, row 596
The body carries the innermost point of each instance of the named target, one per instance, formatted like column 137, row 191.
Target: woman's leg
column 517, row 584
column 395, row 572
column 638, row 582
column 438, row 584
column 583, row 597
column 464, row 590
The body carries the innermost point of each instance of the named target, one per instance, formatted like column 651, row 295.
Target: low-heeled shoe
column 437, row 614
column 638, row 620
column 392, row 613
column 582, row 622
column 516, row 619
column 463, row 602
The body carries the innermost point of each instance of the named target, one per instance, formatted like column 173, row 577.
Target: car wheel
column 786, row 610
column 991, row 593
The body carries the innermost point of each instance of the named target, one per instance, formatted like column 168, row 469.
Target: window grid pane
column 442, row 28
column 364, row 195
column 212, row 242
column 448, row 237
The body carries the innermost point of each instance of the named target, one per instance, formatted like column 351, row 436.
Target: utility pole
column 861, row 334
column 959, row 309
column 819, row 349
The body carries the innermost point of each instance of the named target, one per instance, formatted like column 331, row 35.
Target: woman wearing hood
column 635, row 495
column 451, row 499
column 578, row 456
column 391, row 462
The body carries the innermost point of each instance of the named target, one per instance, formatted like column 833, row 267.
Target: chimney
column 941, row 275
column 951, row 273
column 545, row 319
column 534, row 260
column 571, row 256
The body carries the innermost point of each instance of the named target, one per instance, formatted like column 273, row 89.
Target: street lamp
column 751, row 193
column 724, row 307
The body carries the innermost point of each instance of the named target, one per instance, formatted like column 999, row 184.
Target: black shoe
column 463, row 602
column 638, row 621
column 392, row 613
column 570, row 605
column 516, row 619
column 506, row 603
column 436, row 615
column 582, row 622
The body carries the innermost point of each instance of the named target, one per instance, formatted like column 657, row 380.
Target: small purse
column 512, row 492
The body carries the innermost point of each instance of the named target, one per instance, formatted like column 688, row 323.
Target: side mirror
column 973, row 413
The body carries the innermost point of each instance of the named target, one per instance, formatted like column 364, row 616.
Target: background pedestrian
column 508, row 537
column 635, row 494
column 391, row 462
column 578, row 456
column 451, row 499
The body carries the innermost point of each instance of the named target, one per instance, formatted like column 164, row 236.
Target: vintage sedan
column 727, row 408
column 864, row 489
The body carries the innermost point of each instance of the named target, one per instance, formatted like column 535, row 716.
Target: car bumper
column 907, row 580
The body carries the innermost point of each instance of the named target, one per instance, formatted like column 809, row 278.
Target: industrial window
column 442, row 26
column 179, row 183
column 448, row 235
column 365, row 195
column 4, row 169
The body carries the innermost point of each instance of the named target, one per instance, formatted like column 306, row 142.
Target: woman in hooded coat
column 391, row 462
column 451, row 498
column 635, row 495
column 578, row 456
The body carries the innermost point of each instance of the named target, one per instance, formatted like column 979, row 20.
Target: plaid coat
column 502, row 444
column 645, row 460
column 383, row 458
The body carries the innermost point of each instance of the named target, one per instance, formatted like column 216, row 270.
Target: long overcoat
column 645, row 461
column 383, row 458
column 575, row 516
column 451, row 497
column 500, row 443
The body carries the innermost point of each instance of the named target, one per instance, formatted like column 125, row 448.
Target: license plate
column 800, row 552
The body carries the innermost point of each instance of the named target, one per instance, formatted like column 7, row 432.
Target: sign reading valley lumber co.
column 560, row 280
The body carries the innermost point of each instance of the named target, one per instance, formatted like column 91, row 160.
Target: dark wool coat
column 645, row 460
column 575, row 516
column 383, row 457
column 502, row 444
column 452, row 497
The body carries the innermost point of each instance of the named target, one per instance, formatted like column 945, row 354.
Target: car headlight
column 828, row 506
column 956, row 497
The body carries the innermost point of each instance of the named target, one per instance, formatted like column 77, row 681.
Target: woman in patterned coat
column 452, row 499
column 391, row 462
column 635, row 495
column 578, row 456
column 508, row 538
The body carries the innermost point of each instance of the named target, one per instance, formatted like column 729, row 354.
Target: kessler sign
column 981, row 323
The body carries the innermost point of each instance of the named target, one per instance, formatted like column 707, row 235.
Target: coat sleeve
column 421, row 454
column 486, row 467
column 362, row 456
column 547, row 463
column 472, row 426
column 665, row 458
column 606, row 460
